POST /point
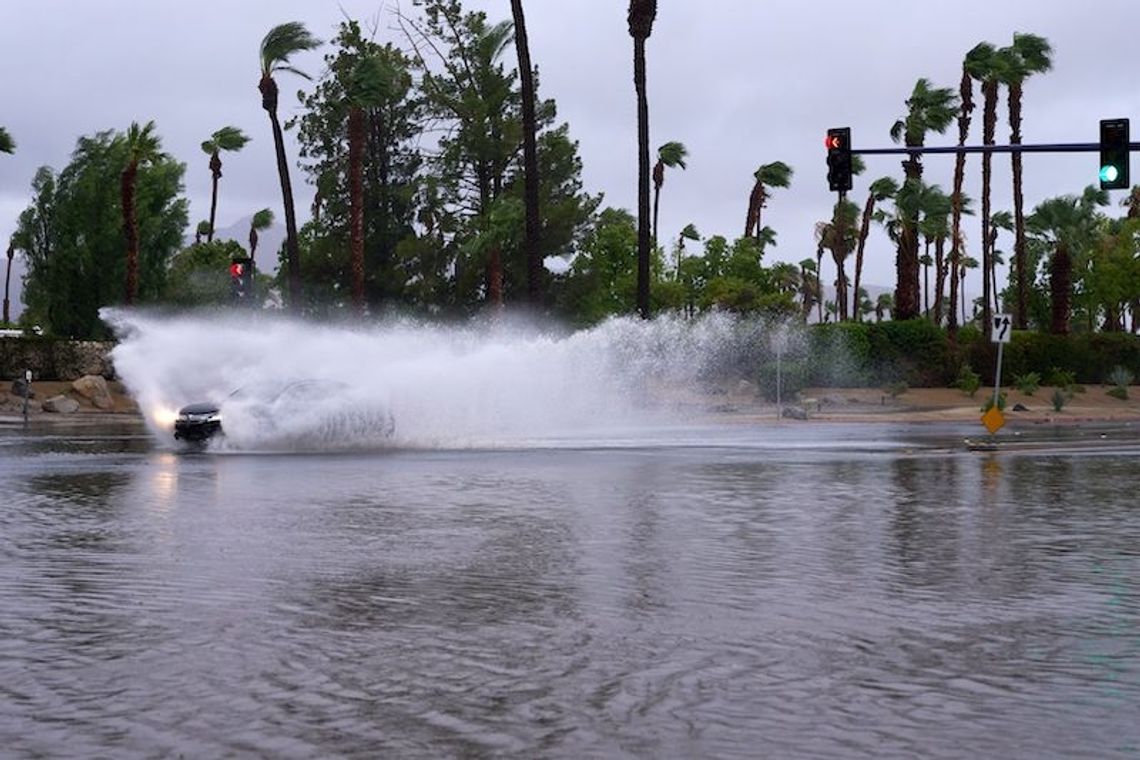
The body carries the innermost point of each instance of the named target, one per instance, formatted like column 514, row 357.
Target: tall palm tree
column 880, row 190
column 260, row 222
column 973, row 67
column 226, row 138
column 641, row 16
column 838, row 236
column 143, row 147
column 369, row 84
column 1031, row 55
column 278, row 46
column 965, row 264
column 1068, row 224
column 532, row 227
column 991, row 75
column 672, row 155
column 775, row 174
column 8, row 276
column 688, row 233
column 929, row 109
column 7, row 144
column 1001, row 220
column 809, row 287
column 935, row 229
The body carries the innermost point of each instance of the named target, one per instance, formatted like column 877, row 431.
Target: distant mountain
column 269, row 241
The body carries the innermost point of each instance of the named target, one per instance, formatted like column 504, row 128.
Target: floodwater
column 718, row 591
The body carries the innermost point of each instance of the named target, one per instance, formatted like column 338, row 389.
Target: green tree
column 1069, row 225
column 143, row 147
column 261, row 221
column 1029, row 55
column 73, row 236
column 7, row 144
column 224, row 139
column 199, row 275
column 641, row 16
column 279, row 45
column 671, row 155
column 929, row 109
column 602, row 280
column 839, row 236
column 881, row 189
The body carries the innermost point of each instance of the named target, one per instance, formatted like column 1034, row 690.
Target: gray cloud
column 740, row 83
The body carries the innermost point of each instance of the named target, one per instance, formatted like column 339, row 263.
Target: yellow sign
column 993, row 419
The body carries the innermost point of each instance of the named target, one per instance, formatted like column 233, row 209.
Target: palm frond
column 672, row 154
column 7, row 144
column 262, row 219
column 282, row 42
column 229, row 138
column 1035, row 52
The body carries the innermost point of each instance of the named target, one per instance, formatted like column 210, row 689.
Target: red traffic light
column 236, row 269
column 833, row 142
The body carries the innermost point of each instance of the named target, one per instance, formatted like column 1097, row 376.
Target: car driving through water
column 301, row 412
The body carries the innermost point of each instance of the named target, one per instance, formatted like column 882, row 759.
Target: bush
column 1120, row 392
column 1060, row 398
column 896, row 389
column 968, row 381
column 1120, row 377
column 1028, row 383
column 990, row 402
column 1061, row 378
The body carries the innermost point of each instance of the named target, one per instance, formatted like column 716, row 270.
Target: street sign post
column 1001, row 334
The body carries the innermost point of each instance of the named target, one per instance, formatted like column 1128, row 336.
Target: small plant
column 990, row 403
column 968, row 381
column 1028, row 383
column 1119, row 391
column 1120, row 377
column 1061, row 378
column 1060, row 398
column 896, row 389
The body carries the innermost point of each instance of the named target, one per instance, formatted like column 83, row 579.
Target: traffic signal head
column 1114, row 157
column 838, row 143
column 241, row 278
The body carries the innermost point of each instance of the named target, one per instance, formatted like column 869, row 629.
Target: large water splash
column 489, row 383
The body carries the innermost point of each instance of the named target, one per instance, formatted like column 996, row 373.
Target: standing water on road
column 664, row 587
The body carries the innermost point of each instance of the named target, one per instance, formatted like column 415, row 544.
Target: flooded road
column 716, row 591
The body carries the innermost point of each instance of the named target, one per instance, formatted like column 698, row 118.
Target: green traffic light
column 1109, row 173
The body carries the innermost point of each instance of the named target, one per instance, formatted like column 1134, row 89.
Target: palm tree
column 1031, row 55
column 278, row 46
column 991, row 73
column 8, row 276
column 532, row 228
column 884, row 303
column 965, row 264
column 838, row 236
column 201, row 231
column 143, row 147
column 935, row 229
column 809, row 286
column 261, row 221
column 929, row 109
column 973, row 67
column 226, row 138
column 369, row 84
column 7, row 144
column 1001, row 220
column 688, row 233
column 641, row 15
column 672, row 155
column 775, row 174
column 1068, row 224
column 881, row 189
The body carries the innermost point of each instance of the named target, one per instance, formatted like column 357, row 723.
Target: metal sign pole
column 997, row 376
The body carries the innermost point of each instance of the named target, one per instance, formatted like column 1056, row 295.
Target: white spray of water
column 484, row 384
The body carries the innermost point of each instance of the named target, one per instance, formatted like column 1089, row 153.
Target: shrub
column 1120, row 377
column 1119, row 391
column 1060, row 398
column 1028, row 383
column 1061, row 378
column 968, row 381
column 896, row 389
column 990, row 402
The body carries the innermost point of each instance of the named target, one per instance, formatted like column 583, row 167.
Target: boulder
column 94, row 389
column 61, row 405
column 794, row 412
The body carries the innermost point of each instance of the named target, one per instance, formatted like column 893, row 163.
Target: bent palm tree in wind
column 143, row 147
column 1030, row 55
column 672, row 155
column 260, row 222
column 278, row 46
column 7, row 144
column 226, row 138
column 881, row 189
column 929, row 109
column 775, row 174
column 642, row 14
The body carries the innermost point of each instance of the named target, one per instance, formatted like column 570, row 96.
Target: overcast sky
column 740, row 83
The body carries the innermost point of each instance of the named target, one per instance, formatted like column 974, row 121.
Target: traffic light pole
column 1041, row 148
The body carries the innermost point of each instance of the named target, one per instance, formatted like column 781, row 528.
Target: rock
column 1020, row 407
column 94, row 388
column 61, row 405
column 794, row 412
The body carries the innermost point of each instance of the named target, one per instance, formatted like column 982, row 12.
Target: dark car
column 322, row 412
